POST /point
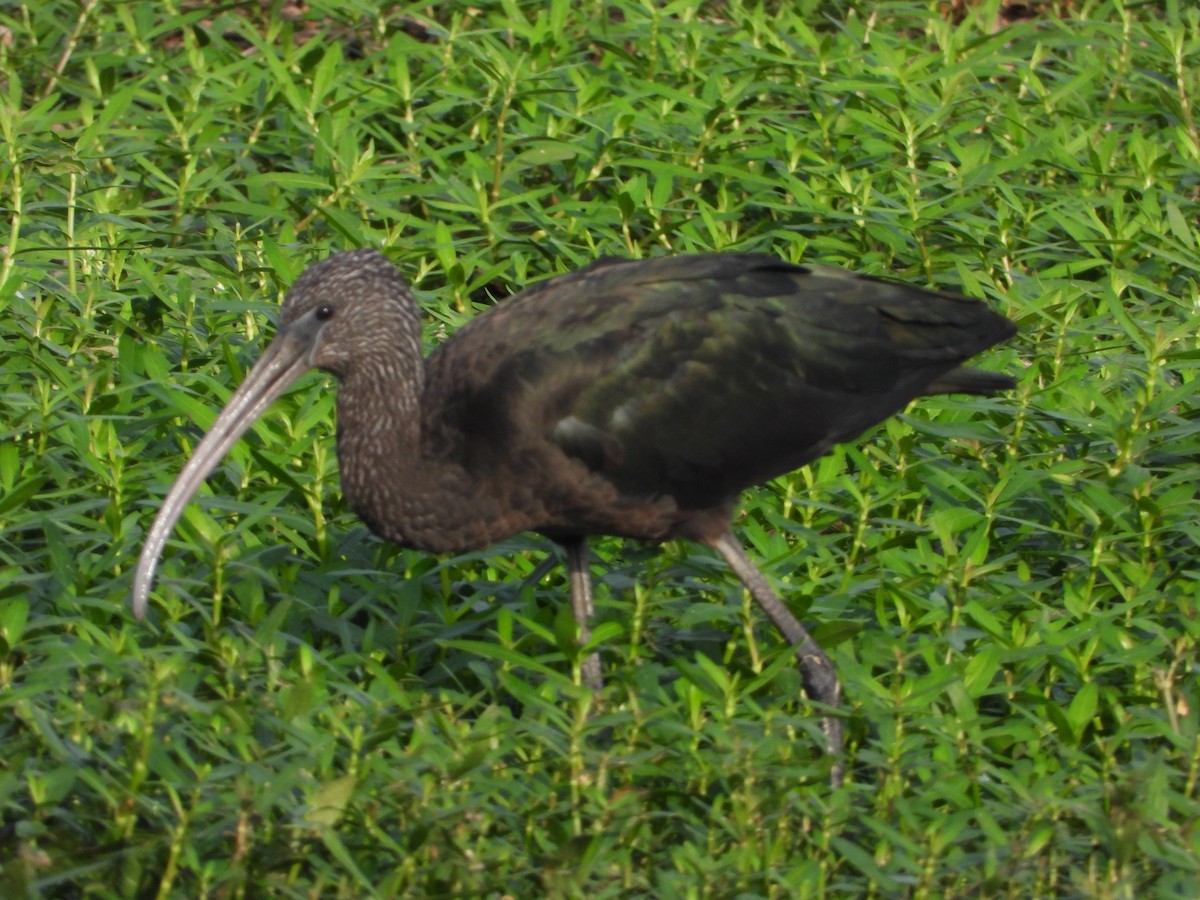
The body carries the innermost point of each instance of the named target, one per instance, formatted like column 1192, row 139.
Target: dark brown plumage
column 630, row 398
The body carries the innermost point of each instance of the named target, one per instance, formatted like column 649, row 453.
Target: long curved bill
column 284, row 360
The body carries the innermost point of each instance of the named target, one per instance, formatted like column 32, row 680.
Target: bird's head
column 351, row 308
column 352, row 312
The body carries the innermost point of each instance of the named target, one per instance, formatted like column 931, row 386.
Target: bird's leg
column 820, row 679
column 581, row 605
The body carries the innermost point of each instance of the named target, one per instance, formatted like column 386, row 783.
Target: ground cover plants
column 1008, row 586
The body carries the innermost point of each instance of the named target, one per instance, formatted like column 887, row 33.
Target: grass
column 1008, row 586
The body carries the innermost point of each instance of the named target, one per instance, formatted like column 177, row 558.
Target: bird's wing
column 698, row 376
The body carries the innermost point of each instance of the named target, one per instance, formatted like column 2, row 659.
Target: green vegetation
column 1008, row 586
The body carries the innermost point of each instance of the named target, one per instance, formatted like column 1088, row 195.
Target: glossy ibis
column 629, row 398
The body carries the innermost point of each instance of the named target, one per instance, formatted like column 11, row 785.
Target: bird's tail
column 970, row 381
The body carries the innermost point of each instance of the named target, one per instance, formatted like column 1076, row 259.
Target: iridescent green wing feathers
column 698, row 376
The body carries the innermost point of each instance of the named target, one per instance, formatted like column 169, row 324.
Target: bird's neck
column 395, row 479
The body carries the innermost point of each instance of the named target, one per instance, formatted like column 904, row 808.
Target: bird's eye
column 324, row 313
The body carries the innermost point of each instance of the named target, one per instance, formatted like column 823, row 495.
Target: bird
column 629, row 398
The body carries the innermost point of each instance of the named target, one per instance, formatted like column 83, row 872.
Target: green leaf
column 329, row 802
column 14, row 615
column 1082, row 709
